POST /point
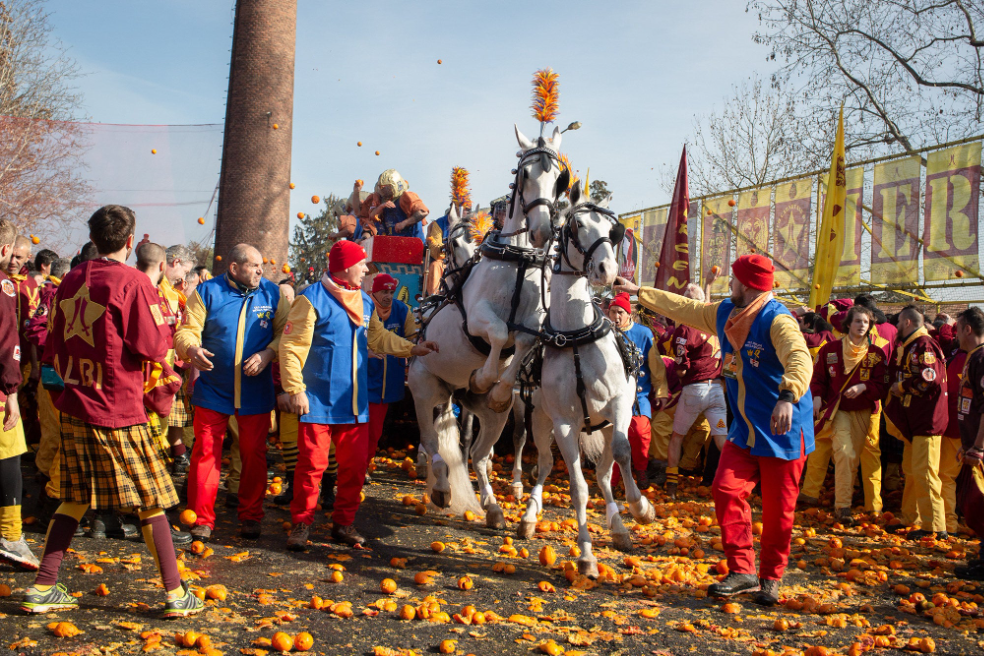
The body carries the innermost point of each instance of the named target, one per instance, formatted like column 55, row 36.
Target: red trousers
column 206, row 458
column 377, row 415
column 639, row 437
column 737, row 473
column 313, row 443
column 970, row 497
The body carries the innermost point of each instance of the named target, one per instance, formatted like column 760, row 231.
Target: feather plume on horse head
column 565, row 165
column 479, row 226
column 546, row 95
column 460, row 195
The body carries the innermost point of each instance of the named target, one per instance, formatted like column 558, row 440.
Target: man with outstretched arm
column 767, row 368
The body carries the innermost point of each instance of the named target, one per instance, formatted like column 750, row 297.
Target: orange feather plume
column 460, row 195
column 546, row 95
column 480, row 225
column 565, row 165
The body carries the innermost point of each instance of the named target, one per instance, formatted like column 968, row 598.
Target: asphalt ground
column 655, row 604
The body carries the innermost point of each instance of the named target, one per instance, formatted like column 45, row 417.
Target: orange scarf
column 853, row 354
column 739, row 324
column 350, row 299
column 383, row 313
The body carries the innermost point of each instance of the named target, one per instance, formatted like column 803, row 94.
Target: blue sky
column 634, row 73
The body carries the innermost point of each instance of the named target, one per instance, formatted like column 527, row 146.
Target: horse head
column 460, row 245
column 539, row 184
column 588, row 238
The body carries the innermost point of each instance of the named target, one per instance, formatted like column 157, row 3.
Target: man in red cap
column 324, row 352
column 767, row 370
column 640, row 433
column 387, row 373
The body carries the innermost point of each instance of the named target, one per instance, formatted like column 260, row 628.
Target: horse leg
column 621, row 450
column 567, row 440
column 543, row 437
column 428, row 393
column 490, row 427
column 519, row 443
column 497, row 334
column 502, row 392
column 603, row 471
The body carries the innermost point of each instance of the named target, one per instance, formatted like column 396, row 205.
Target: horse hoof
column 588, row 566
column 526, row 529
column 473, row 385
column 494, row 517
column 440, row 498
column 498, row 406
column 647, row 514
column 622, row 541
column 517, row 490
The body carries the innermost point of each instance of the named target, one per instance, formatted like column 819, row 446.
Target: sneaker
column 112, row 527
column 298, row 537
column 347, row 535
column 808, row 501
column 250, row 529
column 56, row 598
column 202, row 533
column 734, row 584
column 768, row 594
column 179, row 538
column 19, row 554
column 843, row 516
column 972, row 571
column 183, row 606
column 920, row 534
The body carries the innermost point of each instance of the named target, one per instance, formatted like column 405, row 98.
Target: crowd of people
column 125, row 381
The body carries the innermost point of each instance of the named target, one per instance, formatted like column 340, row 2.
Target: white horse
column 585, row 398
column 503, row 287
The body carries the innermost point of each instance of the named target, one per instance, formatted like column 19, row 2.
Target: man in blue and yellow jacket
column 767, row 369
column 387, row 373
column 230, row 333
column 324, row 354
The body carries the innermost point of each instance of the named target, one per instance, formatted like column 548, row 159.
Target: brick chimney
column 254, row 186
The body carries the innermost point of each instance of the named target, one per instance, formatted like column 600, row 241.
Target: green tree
column 599, row 190
column 311, row 241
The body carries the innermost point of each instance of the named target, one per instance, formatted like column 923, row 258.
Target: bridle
column 569, row 236
column 548, row 159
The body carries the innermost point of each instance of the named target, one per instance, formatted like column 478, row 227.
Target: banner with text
column 715, row 242
column 791, row 245
column 895, row 221
column 950, row 233
column 849, row 272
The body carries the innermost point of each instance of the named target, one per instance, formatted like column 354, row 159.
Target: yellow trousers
column 661, row 428
column 922, row 497
column 949, row 470
column 849, row 430
column 871, row 469
column 48, row 457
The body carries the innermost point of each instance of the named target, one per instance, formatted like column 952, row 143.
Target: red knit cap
column 343, row 255
column 383, row 281
column 755, row 271
column 622, row 301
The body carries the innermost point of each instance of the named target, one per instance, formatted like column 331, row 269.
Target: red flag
column 673, row 269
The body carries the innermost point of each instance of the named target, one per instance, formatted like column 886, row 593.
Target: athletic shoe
column 55, row 598
column 734, row 584
column 298, row 537
column 179, row 538
column 768, row 594
column 183, row 606
column 202, row 533
column 347, row 535
column 920, row 534
column 19, row 554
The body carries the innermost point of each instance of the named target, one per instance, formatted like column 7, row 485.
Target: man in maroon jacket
column 970, row 416
column 916, row 412
column 105, row 324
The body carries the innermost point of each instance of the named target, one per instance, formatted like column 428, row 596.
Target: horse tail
column 592, row 445
column 449, row 446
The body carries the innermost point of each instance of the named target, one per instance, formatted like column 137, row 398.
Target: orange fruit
column 300, row 215
column 437, row 547
column 201, row 220
column 37, row 240
column 286, row 268
column 469, row 516
column 421, row 509
column 731, row 202
column 315, row 199
column 102, row 590
column 359, row 144
column 292, row 185
column 197, row 547
column 447, row 646
column 276, row 126
column 548, row 556
column 377, row 153
column 266, row 260
column 281, row 641
column 4, row 590
column 546, row 586
column 465, row 583
column 153, row 151
column 218, row 258
column 188, row 517
column 422, row 578
column 217, row 592
column 408, row 612
column 730, row 609
column 388, row 586
column 958, row 273
column 303, row 641
column 203, row 643
column 398, row 563
column 336, row 577
column 438, row 61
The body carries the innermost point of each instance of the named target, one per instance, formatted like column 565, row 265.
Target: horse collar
column 572, row 338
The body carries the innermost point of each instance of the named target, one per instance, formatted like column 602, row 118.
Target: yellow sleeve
column 792, row 352
column 279, row 321
column 295, row 344
column 702, row 316
column 410, row 326
column 189, row 333
column 383, row 342
column 657, row 372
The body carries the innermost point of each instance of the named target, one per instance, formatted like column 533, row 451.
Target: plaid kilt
column 182, row 413
column 113, row 468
